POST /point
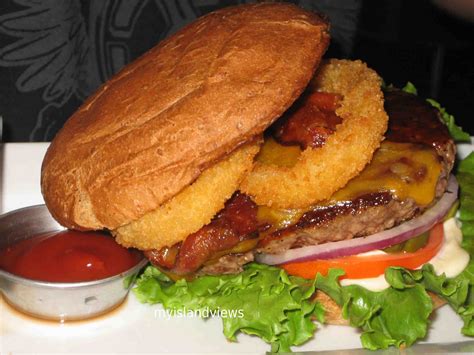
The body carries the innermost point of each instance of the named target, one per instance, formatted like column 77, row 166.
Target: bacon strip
column 310, row 121
column 234, row 224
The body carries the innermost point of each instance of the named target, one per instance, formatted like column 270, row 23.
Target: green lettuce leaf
column 410, row 88
column 454, row 130
column 266, row 302
column 465, row 176
column 457, row 291
column 395, row 316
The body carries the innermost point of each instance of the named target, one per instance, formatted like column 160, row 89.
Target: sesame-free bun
column 184, row 105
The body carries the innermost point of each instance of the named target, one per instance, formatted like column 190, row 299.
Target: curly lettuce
column 465, row 176
column 265, row 301
column 392, row 317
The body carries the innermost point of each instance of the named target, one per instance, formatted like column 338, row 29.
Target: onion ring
column 192, row 208
column 320, row 172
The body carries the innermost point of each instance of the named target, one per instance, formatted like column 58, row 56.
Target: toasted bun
column 187, row 103
column 333, row 313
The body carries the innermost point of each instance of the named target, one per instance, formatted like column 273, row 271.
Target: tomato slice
column 361, row 267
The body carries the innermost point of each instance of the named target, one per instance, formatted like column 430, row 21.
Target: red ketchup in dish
column 68, row 256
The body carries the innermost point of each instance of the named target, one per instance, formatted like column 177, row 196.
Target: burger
column 232, row 146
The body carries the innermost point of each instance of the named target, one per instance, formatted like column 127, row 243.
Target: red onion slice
column 381, row 240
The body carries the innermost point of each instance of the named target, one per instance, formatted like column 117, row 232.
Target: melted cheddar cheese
column 403, row 169
column 406, row 170
column 273, row 153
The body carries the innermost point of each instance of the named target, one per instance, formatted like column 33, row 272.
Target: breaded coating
column 192, row 208
column 320, row 172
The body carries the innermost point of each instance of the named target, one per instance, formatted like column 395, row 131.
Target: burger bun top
column 184, row 105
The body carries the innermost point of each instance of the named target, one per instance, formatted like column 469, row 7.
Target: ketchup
column 68, row 256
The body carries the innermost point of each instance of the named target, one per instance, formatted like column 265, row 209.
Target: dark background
column 416, row 41
column 55, row 53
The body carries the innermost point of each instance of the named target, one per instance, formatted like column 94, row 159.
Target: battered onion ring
column 320, row 172
column 192, row 208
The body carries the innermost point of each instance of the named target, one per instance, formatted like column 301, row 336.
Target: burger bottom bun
column 192, row 208
column 333, row 313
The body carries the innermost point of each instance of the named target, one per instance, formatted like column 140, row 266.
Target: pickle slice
column 397, row 248
column 410, row 245
column 452, row 211
column 414, row 244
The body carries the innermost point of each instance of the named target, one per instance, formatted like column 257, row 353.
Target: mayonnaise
column 451, row 259
column 373, row 284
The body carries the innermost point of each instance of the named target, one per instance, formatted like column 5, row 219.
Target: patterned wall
column 55, row 53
